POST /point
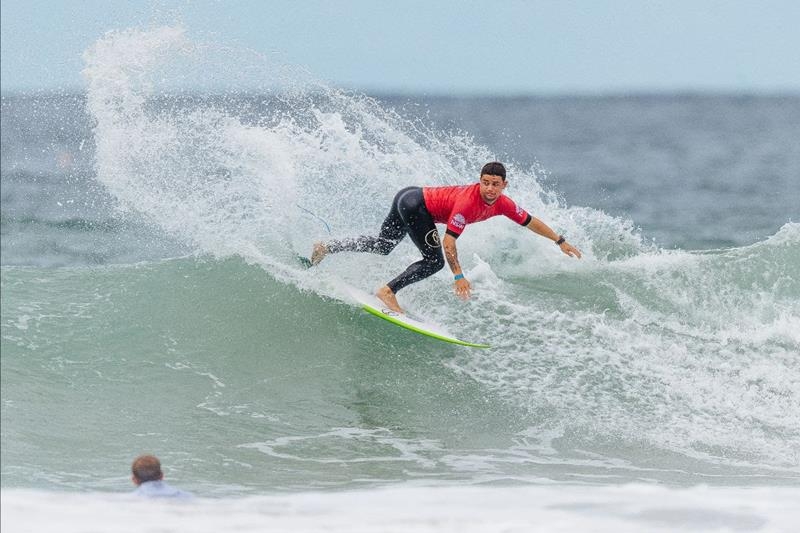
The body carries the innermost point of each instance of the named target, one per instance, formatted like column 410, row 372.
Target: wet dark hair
column 495, row 168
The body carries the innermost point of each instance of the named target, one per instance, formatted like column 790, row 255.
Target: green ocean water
column 260, row 386
column 211, row 361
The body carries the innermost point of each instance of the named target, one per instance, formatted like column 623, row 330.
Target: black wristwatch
column 561, row 240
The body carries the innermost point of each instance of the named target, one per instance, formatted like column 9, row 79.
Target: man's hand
column 462, row 288
column 540, row 228
column 570, row 250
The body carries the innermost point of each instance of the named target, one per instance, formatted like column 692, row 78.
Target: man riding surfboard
column 415, row 212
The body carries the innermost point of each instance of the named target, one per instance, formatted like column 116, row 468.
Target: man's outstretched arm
column 540, row 228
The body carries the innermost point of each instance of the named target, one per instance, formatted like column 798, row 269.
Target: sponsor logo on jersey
column 432, row 239
column 458, row 221
column 519, row 211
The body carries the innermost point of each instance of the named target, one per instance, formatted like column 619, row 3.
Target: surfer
column 416, row 210
column 149, row 479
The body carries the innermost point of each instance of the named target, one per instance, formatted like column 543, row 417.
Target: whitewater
column 643, row 387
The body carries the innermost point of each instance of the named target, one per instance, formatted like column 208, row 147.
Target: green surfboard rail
column 430, row 334
column 305, row 262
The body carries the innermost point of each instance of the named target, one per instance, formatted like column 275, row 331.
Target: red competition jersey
column 461, row 205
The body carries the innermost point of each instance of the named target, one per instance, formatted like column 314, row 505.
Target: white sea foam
column 632, row 508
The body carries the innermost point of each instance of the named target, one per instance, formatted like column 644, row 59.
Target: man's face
column 491, row 188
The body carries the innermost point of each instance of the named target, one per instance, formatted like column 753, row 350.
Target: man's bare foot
column 386, row 295
column 319, row 253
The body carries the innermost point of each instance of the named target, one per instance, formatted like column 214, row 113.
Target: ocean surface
column 153, row 302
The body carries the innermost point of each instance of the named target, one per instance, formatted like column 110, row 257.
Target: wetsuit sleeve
column 455, row 225
column 511, row 210
column 457, row 220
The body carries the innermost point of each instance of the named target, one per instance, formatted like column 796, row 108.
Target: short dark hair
column 147, row 468
column 495, row 168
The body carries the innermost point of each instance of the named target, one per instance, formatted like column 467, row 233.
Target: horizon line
column 397, row 93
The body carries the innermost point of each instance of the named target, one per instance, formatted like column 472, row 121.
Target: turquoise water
column 245, row 384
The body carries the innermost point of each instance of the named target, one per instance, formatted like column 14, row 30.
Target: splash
column 236, row 171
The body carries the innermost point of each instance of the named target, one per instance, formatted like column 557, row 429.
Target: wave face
column 635, row 363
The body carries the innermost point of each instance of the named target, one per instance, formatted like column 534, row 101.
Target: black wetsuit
column 408, row 215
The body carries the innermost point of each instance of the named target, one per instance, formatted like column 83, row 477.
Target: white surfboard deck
column 374, row 306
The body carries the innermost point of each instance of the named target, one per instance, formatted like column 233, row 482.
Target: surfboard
column 372, row 305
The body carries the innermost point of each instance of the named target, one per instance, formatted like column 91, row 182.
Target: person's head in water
column 146, row 468
column 493, row 181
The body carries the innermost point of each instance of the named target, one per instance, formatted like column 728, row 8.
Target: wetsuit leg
column 392, row 232
column 407, row 215
column 422, row 230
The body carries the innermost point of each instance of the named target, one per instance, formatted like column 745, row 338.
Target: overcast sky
column 444, row 47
